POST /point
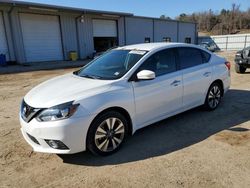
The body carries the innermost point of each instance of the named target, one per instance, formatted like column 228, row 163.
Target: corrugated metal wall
column 137, row 29
column 8, row 33
column 85, row 33
column 69, row 37
column 77, row 35
column 165, row 29
column 121, row 31
column 14, row 33
column 187, row 30
column 85, row 36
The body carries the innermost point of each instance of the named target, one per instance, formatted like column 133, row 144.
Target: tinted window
column 189, row 57
column 205, row 56
column 161, row 63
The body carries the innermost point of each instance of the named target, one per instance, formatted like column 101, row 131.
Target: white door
column 41, row 37
column 156, row 99
column 104, row 28
column 3, row 42
column 197, row 76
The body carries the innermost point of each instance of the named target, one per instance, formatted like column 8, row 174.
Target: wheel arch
column 121, row 111
column 220, row 82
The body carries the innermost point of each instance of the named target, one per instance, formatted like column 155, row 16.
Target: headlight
column 58, row 112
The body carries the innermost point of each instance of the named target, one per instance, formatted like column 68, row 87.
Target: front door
column 155, row 99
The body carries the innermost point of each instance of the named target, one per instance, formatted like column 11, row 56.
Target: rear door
column 155, row 99
column 197, row 75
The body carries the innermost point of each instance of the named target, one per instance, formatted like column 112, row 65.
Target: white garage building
column 31, row 32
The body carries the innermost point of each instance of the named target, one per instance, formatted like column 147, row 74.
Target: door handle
column 175, row 83
column 207, row 74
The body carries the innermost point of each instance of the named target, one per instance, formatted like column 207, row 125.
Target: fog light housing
column 56, row 144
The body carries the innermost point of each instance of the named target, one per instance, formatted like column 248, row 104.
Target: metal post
column 226, row 42
column 245, row 41
column 153, row 30
column 178, row 31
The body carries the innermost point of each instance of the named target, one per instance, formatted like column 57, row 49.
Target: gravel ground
column 193, row 149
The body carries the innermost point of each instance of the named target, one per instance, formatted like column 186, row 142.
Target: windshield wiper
column 90, row 76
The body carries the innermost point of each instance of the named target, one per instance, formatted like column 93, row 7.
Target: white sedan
column 123, row 90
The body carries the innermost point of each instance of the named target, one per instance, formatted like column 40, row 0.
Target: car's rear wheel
column 240, row 68
column 107, row 133
column 214, row 96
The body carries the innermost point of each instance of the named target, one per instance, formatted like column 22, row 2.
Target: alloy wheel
column 214, row 96
column 109, row 134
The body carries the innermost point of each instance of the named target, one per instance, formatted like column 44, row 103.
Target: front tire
column 107, row 133
column 240, row 69
column 213, row 97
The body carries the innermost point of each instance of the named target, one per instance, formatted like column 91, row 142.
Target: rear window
column 205, row 56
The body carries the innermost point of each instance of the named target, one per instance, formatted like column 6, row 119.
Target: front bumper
column 243, row 62
column 71, row 132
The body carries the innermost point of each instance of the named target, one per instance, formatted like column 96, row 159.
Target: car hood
column 63, row 89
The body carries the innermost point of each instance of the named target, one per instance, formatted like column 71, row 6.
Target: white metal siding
column 104, row 28
column 187, row 30
column 137, row 29
column 41, row 37
column 163, row 29
column 3, row 42
column 228, row 42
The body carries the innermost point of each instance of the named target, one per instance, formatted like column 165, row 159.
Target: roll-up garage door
column 105, row 28
column 41, row 37
column 3, row 42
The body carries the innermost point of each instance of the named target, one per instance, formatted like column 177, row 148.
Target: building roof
column 46, row 6
column 82, row 10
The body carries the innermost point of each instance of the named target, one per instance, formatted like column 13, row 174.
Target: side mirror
column 145, row 75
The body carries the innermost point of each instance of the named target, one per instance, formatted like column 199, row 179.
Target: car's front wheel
column 214, row 96
column 107, row 133
column 240, row 68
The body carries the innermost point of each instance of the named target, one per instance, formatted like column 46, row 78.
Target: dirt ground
column 193, row 149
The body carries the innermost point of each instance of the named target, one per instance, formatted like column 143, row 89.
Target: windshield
column 112, row 65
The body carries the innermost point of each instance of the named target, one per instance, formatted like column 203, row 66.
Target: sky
column 152, row 8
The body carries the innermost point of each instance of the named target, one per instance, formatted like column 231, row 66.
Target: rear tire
column 240, row 69
column 107, row 133
column 213, row 97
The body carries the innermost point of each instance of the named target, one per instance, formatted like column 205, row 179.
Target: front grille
column 28, row 112
column 33, row 139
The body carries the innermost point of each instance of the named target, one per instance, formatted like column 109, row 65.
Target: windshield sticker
column 139, row 52
column 116, row 73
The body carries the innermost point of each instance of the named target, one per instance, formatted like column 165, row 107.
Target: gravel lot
column 193, row 149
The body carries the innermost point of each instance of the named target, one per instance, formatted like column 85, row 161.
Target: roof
column 23, row 3
column 153, row 46
column 82, row 10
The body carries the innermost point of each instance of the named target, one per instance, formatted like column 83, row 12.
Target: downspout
column 78, row 34
column 125, row 32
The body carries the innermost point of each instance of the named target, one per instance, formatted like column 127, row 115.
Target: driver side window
column 161, row 63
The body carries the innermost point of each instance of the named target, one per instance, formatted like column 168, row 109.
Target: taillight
column 228, row 64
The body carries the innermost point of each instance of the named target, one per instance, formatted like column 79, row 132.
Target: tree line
column 224, row 22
